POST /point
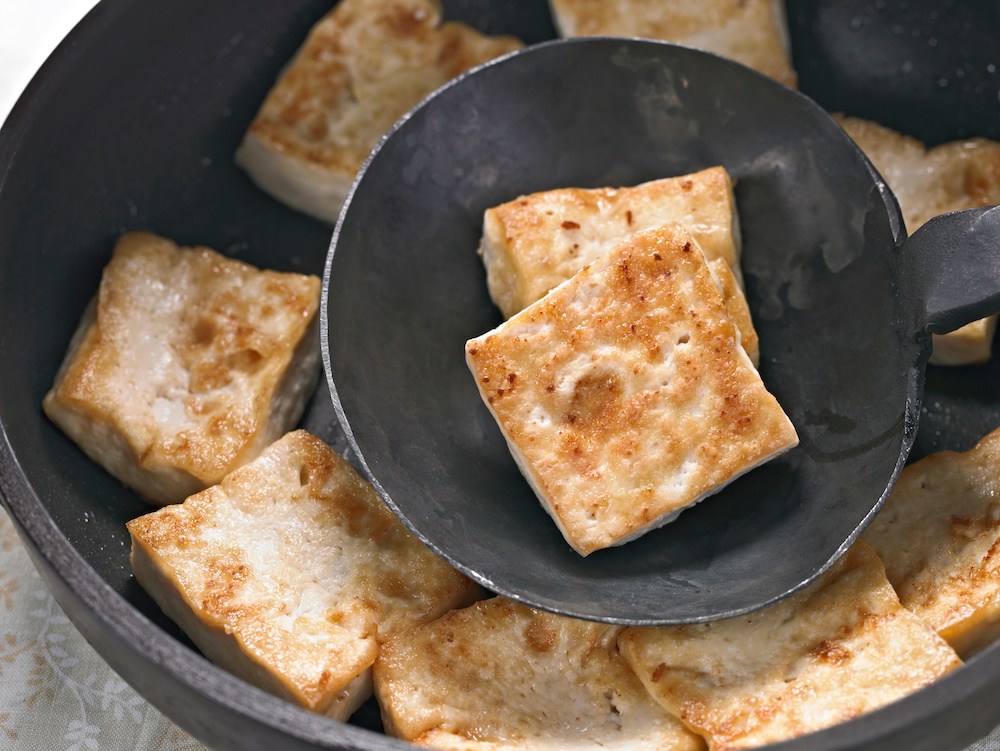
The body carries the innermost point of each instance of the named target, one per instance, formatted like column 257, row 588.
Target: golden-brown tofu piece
column 500, row 675
column 752, row 32
column 624, row 394
column 291, row 572
column 939, row 537
column 535, row 242
column 363, row 66
column 928, row 182
column 841, row 647
column 186, row 365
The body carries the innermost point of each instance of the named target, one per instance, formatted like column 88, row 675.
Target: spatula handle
column 955, row 259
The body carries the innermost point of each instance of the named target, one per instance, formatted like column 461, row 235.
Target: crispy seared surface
column 291, row 572
column 503, row 675
column 624, row 394
column 187, row 365
column 939, row 537
column 841, row 647
column 737, row 308
column 363, row 66
column 753, row 32
column 535, row 242
column 928, row 182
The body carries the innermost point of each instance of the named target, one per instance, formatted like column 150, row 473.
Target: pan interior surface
column 407, row 289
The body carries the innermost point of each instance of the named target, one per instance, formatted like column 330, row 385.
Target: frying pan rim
column 88, row 590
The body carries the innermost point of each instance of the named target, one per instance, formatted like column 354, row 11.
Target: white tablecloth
column 29, row 31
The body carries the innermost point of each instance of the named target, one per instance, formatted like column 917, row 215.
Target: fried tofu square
column 737, row 307
column 363, row 66
column 291, row 572
column 624, row 394
column 839, row 648
column 929, row 182
column 752, row 32
column 501, row 675
column 534, row 243
column 939, row 538
column 186, row 365
column 537, row 241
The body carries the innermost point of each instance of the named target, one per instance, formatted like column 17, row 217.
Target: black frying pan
column 132, row 124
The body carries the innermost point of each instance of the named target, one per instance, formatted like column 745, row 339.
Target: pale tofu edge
column 161, row 484
column 501, row 675
column 298, row 184
column 103, row 442
column 928, row 182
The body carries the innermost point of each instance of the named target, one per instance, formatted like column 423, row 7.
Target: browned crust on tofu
column 537, row 241
column 841, row 647
column 187, row 365
column 753, row 32
column 363, row 66
column 939, row 537
column 624, row 394
column 929, row 182
column 291, row 572
column 737, row 308
column 500, row 675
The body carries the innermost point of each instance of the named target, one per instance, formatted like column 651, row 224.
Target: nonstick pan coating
column 132, row 124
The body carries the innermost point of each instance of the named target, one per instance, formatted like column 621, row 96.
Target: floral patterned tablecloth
column 56, row 693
